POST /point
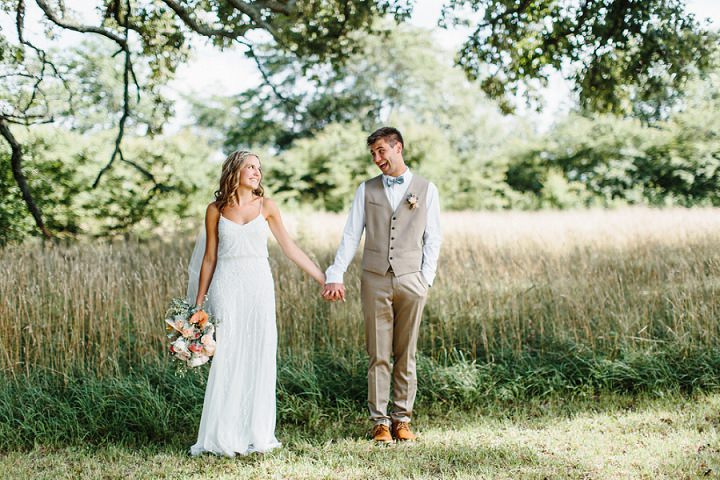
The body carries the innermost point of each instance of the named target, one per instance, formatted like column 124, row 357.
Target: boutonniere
column 412, row 200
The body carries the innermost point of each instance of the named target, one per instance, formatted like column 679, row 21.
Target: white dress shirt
column 356, row 225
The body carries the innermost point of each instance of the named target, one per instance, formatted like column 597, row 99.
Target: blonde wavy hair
column 230, row 178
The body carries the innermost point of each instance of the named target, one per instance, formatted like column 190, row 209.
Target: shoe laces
column 378, row 428
column 402, row 426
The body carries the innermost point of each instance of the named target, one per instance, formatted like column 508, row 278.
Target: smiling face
column 241, row 172
column 250, row 173
column 387, row 157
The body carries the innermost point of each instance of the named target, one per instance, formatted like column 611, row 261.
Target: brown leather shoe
column 381, row 433
column 401, row 432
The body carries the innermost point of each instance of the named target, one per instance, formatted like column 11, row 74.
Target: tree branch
column 126, row 106
column 202, row 28
column 76, row 27
column 256, row 16
column 27, row 120
column 276, row 6
column 147, row 174
column 16, row 165
column 20, row 27
column 266, row 78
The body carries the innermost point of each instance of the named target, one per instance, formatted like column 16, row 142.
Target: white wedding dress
column 238, row 414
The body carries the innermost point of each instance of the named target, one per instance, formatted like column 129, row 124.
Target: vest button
column 390, row 258
column 392, row 248
column 392, row 238
column 394, row 218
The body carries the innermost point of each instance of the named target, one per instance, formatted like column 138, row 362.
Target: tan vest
column 394, row 239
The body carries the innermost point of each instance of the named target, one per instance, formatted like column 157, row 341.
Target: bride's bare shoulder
column 270, row 206
column 212, row 209
column 269, row 202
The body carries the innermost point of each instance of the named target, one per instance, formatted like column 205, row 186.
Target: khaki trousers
column 392, row 307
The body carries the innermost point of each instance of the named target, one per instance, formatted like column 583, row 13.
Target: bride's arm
column 212, row 215
column 292, row 251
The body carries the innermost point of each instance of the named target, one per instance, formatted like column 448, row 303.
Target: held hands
column 334, row 292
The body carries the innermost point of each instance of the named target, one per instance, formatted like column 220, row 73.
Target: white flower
column 183, row 355
column 412, row 200
column 180, row 345
column 198, row 360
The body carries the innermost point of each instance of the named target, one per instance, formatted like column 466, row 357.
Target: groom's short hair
column 390, row 134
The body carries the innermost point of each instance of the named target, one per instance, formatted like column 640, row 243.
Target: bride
column 239, row 408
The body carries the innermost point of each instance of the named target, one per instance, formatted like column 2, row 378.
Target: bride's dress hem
column 196, row 451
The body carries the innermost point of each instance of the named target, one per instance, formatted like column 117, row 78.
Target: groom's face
column 388, row 158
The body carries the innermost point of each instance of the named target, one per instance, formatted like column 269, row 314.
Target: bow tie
column 391, row 181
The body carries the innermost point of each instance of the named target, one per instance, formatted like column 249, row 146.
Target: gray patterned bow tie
column 391, row 181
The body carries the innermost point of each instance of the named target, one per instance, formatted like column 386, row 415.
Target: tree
column 402, row 78
column 607, row 160
column 399, row 71
column 62, row 164
column 151, row 38
column 622, row 56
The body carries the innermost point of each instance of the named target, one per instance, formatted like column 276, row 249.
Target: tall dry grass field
column 609, row 281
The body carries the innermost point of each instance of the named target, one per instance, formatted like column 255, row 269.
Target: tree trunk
column 16, row 164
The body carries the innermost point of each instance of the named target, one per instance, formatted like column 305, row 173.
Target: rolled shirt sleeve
column 352, row 234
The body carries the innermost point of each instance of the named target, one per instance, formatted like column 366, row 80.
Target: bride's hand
column 199, row 317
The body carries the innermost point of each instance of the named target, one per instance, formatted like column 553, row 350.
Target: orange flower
column 199, row 317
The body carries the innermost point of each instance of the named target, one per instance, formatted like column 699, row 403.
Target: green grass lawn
column 614, row 437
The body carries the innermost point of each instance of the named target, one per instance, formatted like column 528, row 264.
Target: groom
column 399, row 210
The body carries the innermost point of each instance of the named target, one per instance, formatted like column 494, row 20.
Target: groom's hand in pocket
column 334, row 292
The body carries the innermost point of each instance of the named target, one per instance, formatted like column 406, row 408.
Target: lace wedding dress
column 238, row 414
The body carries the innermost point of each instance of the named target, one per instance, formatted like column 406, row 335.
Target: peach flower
column 209, row 350
column 199, row 317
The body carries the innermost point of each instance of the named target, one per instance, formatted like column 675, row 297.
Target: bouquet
column 191, row 332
